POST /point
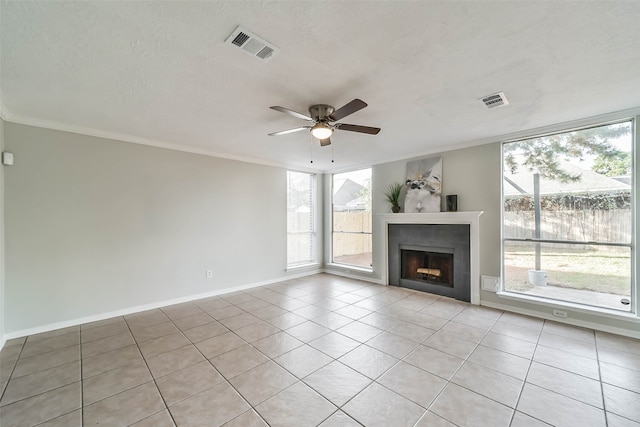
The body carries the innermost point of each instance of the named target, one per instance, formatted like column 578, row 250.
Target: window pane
column 352, row 249
column 587, row 274
column 300, row 219
column 581, row 182
column 299, row 249
column 351, row 202
column 570, row 191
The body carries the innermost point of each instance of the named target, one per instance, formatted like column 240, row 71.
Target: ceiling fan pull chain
column 311, row 149
column 332, row 152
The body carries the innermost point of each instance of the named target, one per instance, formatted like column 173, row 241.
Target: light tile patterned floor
column 322, row 350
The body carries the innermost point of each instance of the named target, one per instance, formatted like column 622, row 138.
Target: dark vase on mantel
column 395, row 209
column 452, row 203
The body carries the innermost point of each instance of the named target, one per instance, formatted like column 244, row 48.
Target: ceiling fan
column 324, row 118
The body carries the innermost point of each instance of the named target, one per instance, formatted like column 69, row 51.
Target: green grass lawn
column 595, row 269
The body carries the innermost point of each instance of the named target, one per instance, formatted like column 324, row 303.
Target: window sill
column 544, row 302
column 352, row 268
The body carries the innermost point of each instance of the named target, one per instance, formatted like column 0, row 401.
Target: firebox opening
column 428, row 267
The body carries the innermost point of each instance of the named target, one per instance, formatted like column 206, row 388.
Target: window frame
column 612, row 119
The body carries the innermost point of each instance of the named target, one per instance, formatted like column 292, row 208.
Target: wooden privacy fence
column 352, row 237
column 612, row 225
column 352, row 233
column 353, row 229
column 356, row 222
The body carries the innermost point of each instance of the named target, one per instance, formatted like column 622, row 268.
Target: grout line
column 524, row 381
column 12, row 369
column 306, row 290
column 225, row 380
column 37, row 372
column 448, row 380
column 166, row 407
column 301, row 380
column 604, row 403
column 81, row 381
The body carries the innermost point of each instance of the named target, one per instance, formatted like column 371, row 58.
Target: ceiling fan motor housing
column 320, row 112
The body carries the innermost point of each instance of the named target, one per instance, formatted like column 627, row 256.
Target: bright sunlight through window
column 567, row 211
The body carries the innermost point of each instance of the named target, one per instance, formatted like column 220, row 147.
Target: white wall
column 94, row 225
column 474, row 175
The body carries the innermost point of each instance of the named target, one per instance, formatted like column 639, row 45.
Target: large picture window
column 300, row 219
column 351, row 217
column 567, row 216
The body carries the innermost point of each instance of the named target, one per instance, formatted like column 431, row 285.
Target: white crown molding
column 99, row 133
column 602, row 118
column 7, row 116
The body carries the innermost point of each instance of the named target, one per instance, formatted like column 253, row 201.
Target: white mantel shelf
column 471, row 218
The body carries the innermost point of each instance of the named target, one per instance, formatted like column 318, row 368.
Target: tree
column 544, row 155
column 617, row 166
column 365, row 194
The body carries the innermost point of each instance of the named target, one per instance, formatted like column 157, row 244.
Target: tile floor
column 322, row 350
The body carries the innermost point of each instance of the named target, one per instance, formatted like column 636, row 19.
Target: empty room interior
column 319, row 213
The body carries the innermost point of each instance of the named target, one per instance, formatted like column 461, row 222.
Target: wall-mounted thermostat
column 7, row 158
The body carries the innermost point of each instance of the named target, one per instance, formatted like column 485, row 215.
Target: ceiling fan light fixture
column 321, row 130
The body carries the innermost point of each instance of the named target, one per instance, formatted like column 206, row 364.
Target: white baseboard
column 575, row 322
column 144, row 307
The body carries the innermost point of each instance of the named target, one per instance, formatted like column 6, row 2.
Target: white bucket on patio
column 538, row 277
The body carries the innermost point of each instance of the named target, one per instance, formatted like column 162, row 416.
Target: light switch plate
column 7, row 158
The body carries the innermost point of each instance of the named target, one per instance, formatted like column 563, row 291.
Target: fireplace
column 454, row 234
column 427, row 265
column 432, row 258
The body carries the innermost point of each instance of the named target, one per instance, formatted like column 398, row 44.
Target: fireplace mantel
column 471, row 218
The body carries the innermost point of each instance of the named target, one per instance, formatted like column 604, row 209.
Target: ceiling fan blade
column 345, row 110
column 284, row 132
column 357, row 128
column 291, row 113
column 325, row 141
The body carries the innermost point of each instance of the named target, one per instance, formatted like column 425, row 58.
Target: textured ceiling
column 160, row 71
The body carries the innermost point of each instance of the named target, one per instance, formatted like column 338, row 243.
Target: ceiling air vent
column 496, row 100
column 252, row 44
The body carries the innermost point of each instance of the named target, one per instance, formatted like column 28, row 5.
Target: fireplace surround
column 440, row 245
column 432, row 258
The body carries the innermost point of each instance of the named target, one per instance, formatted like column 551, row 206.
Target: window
column 351, row 207
column 300, row 219
column 567, row 216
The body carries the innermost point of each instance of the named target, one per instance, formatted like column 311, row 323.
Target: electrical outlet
column 560, row 313
column 209, row 274
column 490, row 283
